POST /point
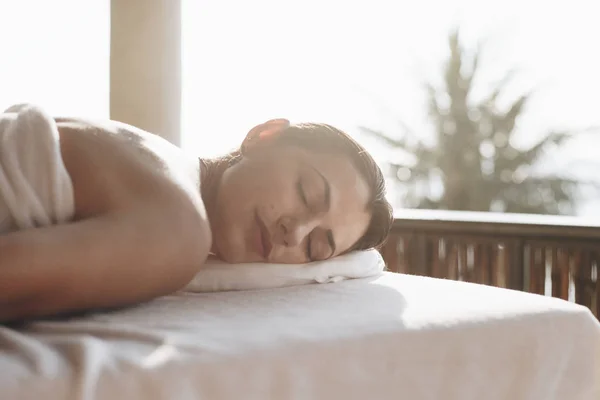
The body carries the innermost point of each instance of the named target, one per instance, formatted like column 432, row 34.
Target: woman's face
column 284, row 204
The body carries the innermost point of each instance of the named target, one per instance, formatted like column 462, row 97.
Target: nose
column 292, row 231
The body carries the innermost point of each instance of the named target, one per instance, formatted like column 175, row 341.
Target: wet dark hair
column 328, row 139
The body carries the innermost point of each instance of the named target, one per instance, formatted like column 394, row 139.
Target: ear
column 264, row 133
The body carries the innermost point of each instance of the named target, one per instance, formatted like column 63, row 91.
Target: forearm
column 100, row 263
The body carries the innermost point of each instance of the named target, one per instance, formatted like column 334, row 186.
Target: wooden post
column 145, row 65
column 516, row 266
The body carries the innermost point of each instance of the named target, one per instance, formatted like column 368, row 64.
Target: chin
column 231, row 257
column 232, row 251
column 238, row 257
column 232, row 245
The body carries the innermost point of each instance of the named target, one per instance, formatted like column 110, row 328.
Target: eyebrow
column 330, row 238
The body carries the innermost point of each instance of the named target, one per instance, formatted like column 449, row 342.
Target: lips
column 264, row 244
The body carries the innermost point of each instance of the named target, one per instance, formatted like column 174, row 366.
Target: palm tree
column 472, row 158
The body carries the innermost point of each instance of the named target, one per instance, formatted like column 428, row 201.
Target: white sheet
column 389, row 337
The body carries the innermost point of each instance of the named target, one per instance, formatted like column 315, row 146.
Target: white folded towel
column 35, row 187
column 219, row 276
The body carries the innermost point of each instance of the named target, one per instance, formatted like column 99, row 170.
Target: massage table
column 342, row 329
column 390, row 336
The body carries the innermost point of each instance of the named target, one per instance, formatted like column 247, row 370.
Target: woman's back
column 115, row 166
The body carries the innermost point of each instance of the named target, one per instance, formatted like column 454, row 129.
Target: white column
column 145, row 65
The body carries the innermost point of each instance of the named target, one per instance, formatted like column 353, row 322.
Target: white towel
column 35, row 187
column 219, row 276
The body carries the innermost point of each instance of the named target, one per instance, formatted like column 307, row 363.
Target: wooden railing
column 553, row 256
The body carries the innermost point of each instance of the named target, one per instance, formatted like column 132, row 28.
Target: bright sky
column 341, row 62
column 331, row 59
column 362, row 62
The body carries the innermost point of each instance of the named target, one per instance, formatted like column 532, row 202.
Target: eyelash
column 305, row 201
column 301, row 192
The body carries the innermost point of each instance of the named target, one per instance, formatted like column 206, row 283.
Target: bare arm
column 113, row 260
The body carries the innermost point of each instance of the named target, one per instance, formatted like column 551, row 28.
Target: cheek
column 252, row 186
column 350, row 228
column 276, row 198
column 271, row 186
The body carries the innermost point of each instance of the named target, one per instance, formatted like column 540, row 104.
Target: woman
column 290, row 194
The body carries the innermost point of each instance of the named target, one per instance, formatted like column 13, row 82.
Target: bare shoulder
column 126, row 144
column 115, row 165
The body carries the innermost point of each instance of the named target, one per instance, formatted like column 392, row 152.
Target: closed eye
column 301, row 192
